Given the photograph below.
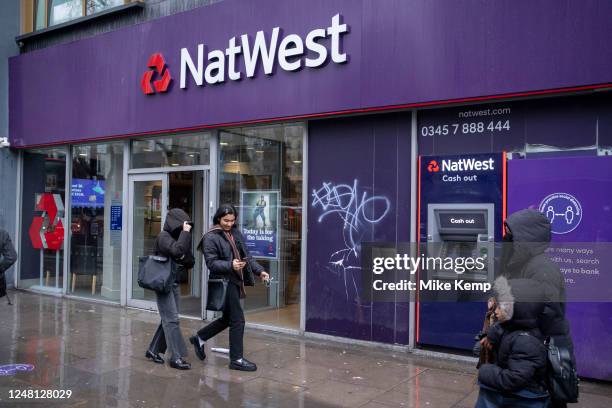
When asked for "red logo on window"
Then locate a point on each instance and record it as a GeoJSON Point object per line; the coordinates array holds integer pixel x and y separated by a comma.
{"type": "Point", "coordinates": [161, 85]}
{"type": "Point", "coordinates": [433, 167]}
{"type": "Point", "coordinates": [47, 229]}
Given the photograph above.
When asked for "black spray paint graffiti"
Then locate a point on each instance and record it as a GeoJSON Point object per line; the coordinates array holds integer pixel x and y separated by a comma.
{"type": "Point", "coordinates": [357, 212]}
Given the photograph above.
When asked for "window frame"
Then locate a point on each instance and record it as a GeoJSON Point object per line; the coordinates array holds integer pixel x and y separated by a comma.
{"type": "Point", "coordinates": [29, 11]}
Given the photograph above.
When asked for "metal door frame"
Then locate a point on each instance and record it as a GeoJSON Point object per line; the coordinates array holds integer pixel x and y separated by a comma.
{"type": "Point", "coordinates": [163, 177]}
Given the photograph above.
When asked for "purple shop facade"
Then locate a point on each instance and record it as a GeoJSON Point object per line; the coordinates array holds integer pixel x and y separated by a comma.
{"type": "Point", "coordinates": [400, 55]}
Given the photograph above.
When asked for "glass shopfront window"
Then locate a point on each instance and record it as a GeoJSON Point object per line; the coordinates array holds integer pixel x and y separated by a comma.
{"type": "Point", "coordinates": [260, 172]}
{"type": "Point", "coordinates": [61, 11]}
{"type": "Point", "coordinates": [42, 221]}
{"type": "Point", "coordinates": [96, 213]}
{"type": "Point", "coordinates": [173, 151]}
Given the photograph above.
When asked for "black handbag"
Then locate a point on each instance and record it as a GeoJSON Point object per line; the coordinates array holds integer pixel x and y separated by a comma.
{"type": "Point", "coordinates": [217, 291]}
{"type": "Point", "coordinates": [155, 273]}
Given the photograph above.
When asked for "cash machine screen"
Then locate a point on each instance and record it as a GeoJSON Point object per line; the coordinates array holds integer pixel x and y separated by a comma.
{"type": "Point", "coordinates": [451, 220]}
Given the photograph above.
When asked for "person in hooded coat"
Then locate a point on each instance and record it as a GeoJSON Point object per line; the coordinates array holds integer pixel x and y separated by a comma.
{"type": "Point", "coordinates": [528, 235]}
{"type": "Point", "coordinates": [517, 377]}
{"type": "Point", "coordinates": [529, 232]}
{"type": "Point", "coordinates": [174, 242]}
{"type": "Point", "coordinates": [8, 256]}
{"type": "Point", "coordinates": [228, 258]}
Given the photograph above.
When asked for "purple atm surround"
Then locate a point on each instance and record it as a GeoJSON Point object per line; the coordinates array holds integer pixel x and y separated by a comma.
{"type": "Point", "coordinates": [531, 184]}
{"type": "Point", "coordinates": [440, 323]}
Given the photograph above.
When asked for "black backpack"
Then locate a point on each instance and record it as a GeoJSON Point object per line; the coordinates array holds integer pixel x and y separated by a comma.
{"type": "Point", "coordinates": [561, 376]}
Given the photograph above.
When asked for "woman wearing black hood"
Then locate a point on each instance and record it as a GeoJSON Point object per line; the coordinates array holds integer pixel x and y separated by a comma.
{"type": "Point", "coordinates": [517, 376]}
{"type": "Point", "coordinates": [527, 236]}
{"type": "Point", "coordinates": [227, 257]}
{"type": "Point", "coordinates": [173, 242]}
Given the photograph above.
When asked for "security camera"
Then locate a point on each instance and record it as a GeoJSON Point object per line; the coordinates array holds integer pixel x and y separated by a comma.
{"type": "Point", "coordinates": [4, 142]}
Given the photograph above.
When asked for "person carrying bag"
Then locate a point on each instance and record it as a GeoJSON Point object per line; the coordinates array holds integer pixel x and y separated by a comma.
{"type": "Point", "coordinates": [231, 269]}
{"type": "Point", "coordinates": [174, 244]}
{"type": "Point", "coordinates": [8, 256]}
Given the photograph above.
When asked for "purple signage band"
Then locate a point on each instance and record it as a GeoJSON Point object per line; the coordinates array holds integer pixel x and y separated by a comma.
{"type": "Point", "coordinates": [240, 61]}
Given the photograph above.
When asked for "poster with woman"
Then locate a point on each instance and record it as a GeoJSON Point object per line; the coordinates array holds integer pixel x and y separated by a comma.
{"type": "Point", "coordinates": [259, 222]}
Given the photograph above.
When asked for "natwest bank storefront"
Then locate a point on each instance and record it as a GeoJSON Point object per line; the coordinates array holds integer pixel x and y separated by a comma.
{"type": "Point", "coordinates": [330, 125]}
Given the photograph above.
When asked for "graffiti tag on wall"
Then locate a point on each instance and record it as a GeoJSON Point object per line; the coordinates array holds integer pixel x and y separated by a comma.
{"type": "Point", "coordinates": [358, 212]}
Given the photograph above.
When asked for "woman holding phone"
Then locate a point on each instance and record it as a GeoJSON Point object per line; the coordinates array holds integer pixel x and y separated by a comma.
{"type": "Point", "coordinates": [226, 257]}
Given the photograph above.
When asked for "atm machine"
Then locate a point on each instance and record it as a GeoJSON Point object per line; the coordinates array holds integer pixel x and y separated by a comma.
{"type": "Point", "coordinates": [461, 212]}
{"type": "Point", "coordinates": [461, 230]}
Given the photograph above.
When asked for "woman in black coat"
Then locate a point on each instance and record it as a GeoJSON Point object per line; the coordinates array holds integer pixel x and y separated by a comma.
{"type": "Point", "coordinates": [517, 377]}
{"type": "Point", "coordinates": [227, 257]}
{"type": "Point", "coordinates": [173, 242]}
{"type": "Point", "coordinates": [8, 256]}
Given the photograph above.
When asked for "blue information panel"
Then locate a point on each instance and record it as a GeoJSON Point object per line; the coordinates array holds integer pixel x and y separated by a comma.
{"type": "Point", "coordinates": [116, 217]}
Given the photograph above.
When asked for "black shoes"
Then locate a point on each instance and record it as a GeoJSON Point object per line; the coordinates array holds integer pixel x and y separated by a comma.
{"type": "Point", "coordinates": [242, 364]}
{"type": "Point", "coordinates": [154, 357]}
{"type": "Point", "coordinates": [199, 350]}
{"type": "Point", "coordinates": [180, 364]}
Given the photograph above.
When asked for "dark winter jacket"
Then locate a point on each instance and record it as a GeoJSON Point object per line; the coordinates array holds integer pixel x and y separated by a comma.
{"type": "Point", "coordinates": [8, 256]}
{"type": "Point", "coordinates": [518, 343]}
{"type": "Point", "coordinates": [175, 243]}
{"type": "Point", "coordinates": [531, 235]}
{"type": "Point", "coordinates": [218, 254]}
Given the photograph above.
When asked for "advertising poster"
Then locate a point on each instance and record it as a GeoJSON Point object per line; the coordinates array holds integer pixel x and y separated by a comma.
{"type": "Point", "coordinates": [87, 193]}
{"type": "Point", "coordinates": [575, 193]}
{"type": "Point", "coordinates": [259, 222]}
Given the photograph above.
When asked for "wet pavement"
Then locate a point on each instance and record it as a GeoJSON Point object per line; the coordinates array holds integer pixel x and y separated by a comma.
{"type": "Point", "coordinates": [97, 352]}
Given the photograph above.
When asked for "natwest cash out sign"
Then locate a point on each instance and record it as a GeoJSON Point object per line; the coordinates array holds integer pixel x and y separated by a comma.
{"type": "Point", "coordinates": [454, 169]}
{"type": "Point", "coordinates": [243, 54]}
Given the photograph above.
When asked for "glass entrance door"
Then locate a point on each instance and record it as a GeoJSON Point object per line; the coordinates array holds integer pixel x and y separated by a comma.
{"type": "Point", "coordinates": [149, 202]}
{"type": "Point", "coordinates": [187, 191]}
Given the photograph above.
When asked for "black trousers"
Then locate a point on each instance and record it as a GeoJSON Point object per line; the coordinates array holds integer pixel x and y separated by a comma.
{"type": "Point", "coordinates": [233, 317]}
{"type": "Point", "coordinates": [168, 334]}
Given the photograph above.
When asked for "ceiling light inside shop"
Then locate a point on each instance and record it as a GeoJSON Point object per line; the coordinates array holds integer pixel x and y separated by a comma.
{"type": "Point", "coordinates": [233, 161]}
{"type": "Point", "coordinates": [174, 164]}
{"type": "Point", "coordinates": [236, 167]}
{"type": "Point", "coordinates": [259, 151]}
{"type": "Point", "coordinates": [223, 143]}
{"type": "Point", "coordinates": [146, 149]}
{"type": "Point", "coordinates": [297, 161]}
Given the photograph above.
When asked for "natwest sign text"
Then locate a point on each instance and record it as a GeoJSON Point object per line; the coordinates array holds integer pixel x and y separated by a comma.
{"type": "Point", "coordinates": [291, 53]}
{"type": "Point", "coordinates": [467, 164]}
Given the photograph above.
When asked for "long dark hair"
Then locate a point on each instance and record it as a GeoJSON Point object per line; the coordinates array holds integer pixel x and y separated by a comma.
{"type": "Point", "coordinates": [222, 211]}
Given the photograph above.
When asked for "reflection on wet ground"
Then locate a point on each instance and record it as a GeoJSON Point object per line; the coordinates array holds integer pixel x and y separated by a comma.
{"type": "Point", "coordinates": [97, 352]}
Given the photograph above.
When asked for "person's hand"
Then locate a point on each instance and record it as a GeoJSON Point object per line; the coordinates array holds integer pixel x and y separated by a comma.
{"type": "Point", "coordinates": [264, 276]}
{"type": "Point", "coordinates": [486, 343]}
{"type": "Point", "coordinates": [186, 226]}
{"type": "Point", "coordinates": [238, 265]}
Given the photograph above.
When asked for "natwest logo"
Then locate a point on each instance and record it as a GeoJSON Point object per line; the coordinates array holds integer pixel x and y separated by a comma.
{"type": "Point", "coordinates": [158, 62]}
{"type": "Point", "coordinates": [246, 53]}
{"type": "Point", "coordinates": [467, 165]}
{"type": "Point", "coordinates": [433, 167]}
